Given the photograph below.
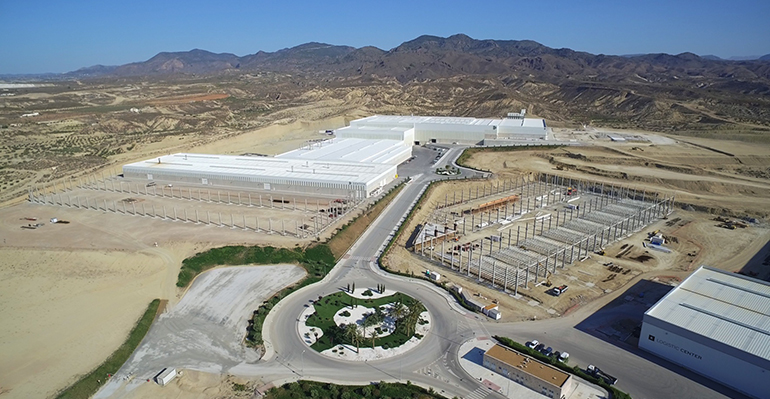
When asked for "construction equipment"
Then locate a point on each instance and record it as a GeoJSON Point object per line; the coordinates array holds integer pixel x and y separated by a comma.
{"type": "Point", "coordinates": [548, 280]}
{"type": "Point", "coordinates": [560, 289]}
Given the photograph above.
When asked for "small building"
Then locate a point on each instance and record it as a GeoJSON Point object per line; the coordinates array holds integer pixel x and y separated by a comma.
{"type": "Point", "coordinates": [714, 323]}
{"type": "Point", "coordinates": [535, 375]}
{"type": "Point", "coordinates": [492, 311]}
{"type": "Point", "coordinates": [165, 376]}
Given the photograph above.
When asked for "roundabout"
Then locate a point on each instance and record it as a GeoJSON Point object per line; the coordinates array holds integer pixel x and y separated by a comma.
{"type": "Point", "coordinates": [364, 324]}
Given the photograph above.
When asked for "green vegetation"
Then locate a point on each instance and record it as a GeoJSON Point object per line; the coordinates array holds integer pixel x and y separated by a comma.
{"type": "Point", "coordinates": [344, 238]}
{"type": "Point", "coordinates": [317, 260]}
{"type": "Point", "coordinates": [406, 311]}
{"type": "Point", "coordinates": [614, 392]}
{"type": "Point", "coordinates": [87, 385]}
{"type": "Point", "coordinates": [400, 230]}
{"type": "Point", "coordinates": [235, 255]}
{"type": "Point", "coordinates": [384, 390]}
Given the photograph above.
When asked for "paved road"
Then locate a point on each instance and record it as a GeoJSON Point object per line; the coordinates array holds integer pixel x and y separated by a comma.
{"type": "Point", "coordinates": [288, 358]}
{"type": "Point", "coordinates": [640, 374]}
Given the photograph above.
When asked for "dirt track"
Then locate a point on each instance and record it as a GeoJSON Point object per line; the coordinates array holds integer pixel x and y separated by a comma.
{"type": "Point", "coordinates": [205, 330]}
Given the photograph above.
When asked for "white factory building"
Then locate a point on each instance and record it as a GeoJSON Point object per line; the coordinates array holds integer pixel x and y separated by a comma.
{"type": "Point", "coordinates": [308, 176]}
{"type": "Point", "coordinates": [420, 130]}
{"type": "Point", "coordinates": [716, 324]}
{"type": "Point", "coordinates": [356, 164]}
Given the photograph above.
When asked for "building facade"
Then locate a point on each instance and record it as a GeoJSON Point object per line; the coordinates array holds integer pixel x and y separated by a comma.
{"type": "Point", "coordinates": [716, 324]}
{"type": "Point", "coordinates": [445, 129]}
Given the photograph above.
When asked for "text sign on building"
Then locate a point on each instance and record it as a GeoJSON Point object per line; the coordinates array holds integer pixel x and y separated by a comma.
{"type": "Point", "coordinates": [674, 347]}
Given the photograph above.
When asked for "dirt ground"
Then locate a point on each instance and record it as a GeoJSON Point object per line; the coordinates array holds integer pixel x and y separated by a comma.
{"type": "Point", "coordinates": [694, 172]}
{"type": "Point", "coordinates": [70, 293]}
{"type": "Point", "coordinates": [205, 330]}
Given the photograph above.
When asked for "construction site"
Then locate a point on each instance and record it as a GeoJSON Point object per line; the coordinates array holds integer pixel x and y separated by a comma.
{"type": "Point", "coordinates": [516, 232]}
{"type": "Point", "coordinates": [288, 214]}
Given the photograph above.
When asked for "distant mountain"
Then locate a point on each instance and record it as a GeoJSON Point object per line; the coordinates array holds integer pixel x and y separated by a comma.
{"type": "Point", "coordinates": [433, 57]}
{"type": "Point", "coordinates": [765, 57]}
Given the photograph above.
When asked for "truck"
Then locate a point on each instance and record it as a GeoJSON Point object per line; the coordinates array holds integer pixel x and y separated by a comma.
{"type": "Point", "coordinates": [560, 289]}
{"type": "Point", "coordinates": [165, 376]}
{"type": "Point", "coordinates": [598, 373]}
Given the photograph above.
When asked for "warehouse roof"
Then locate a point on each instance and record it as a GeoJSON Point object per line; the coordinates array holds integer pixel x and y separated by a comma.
{"type": "Point", "coordinates": [351, 150]}
{"type": "Point", "coordinates": [266, 167]}
{"type": "Point", "coordinates": [725, 307]}
{"type": "Point", "coordinates": [531, 366]}
{"type": "Point", "coordinates": [447, 120]}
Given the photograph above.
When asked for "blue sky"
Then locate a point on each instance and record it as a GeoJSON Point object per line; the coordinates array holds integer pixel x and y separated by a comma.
{"type": "Point", "coordinates": [59, 36]}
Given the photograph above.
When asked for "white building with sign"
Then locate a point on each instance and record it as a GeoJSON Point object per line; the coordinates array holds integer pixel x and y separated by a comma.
{"type": "Point", "coordinates": [717, 324]}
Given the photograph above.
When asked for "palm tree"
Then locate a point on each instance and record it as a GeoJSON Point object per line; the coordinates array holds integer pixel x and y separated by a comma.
{"type": "Point", "coordinates": [415, 308]}
{"type": "Point", "coordinates": [353, 335]}
{"type": "Point", "coordinates": [373, 336]}
{"type": "Point", "coordinates": [397, 310]}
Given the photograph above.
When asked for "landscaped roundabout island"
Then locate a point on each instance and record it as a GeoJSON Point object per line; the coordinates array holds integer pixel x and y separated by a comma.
{"type": "Point", "coordinates": [364, 324]}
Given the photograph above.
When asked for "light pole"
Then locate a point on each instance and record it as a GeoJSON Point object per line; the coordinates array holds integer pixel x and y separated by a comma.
{"type": "Point", "coordinates": [302, 358]}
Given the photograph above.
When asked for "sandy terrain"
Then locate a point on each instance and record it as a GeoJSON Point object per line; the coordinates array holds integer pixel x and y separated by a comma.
{"type": "Point", "coordinates": [695, 174]}
{"type": "Point", "coordinates": [65, 311]}
{"type": "Point", "coordinates": [205, 330]}
{"type": "Point", "coordinates": [91, 279]}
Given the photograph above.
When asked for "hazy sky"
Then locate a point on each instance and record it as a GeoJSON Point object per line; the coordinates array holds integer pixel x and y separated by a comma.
{"type": "Point", "coordinates": [59, 36]}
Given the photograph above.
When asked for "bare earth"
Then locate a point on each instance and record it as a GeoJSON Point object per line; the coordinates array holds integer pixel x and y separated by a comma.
{"type": "Point", "coordinates": [204, 331]}
{"type": "Point", "coordinates": [69, 294]}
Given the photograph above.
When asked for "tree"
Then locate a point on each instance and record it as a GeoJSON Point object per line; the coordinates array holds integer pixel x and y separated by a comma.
{"type": "Point", "coordinates": [353, 335]}
{"type": "Point", "coordinates": [397, 310]}
{"type": "Point", "coordinates": [415, 308]}
{"type": "Point", "coordinates": [373, 336]}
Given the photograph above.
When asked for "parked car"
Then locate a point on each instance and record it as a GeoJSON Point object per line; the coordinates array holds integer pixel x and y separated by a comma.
{"type": "Point", "coordinates": [562, 357]}
{"type": "Point", "coordinates": [540, 347]}
{"type": "Point", "coordinates": [532, 344]}
{"type": "Point", "coordinates": [548, 351]}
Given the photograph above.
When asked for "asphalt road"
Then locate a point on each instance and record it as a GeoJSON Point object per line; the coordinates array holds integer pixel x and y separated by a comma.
{"type": "Point", "coordinates": [287, 358]}
{"type": "Point", "coordinates": [641, 375]}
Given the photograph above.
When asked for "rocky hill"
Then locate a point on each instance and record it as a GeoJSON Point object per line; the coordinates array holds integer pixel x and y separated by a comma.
{"type": "Point", "coordinates": [660, 91]}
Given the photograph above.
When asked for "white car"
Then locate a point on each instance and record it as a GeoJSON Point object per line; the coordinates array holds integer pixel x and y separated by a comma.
{"type": "Point", "coordinates": [563, 356]}
{"type": "Point", "coordinates": [532, 344]}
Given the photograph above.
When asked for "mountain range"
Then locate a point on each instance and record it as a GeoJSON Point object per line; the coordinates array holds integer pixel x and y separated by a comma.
{"type": "Point", "coordinates": [432, 57]}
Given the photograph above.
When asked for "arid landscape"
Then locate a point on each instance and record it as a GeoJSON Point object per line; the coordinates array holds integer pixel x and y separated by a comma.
{"type": "Point", "coordinates": [70, 293]}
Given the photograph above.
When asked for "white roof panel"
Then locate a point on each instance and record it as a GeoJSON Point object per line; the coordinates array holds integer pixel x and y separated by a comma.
{"type": "Point", "coordinates": [319, 170]}
{"type": "Point", "coordinates": [350, 150]}
{"type": "Point", "coordinates": [402, 120]}
{"type": "Point", "coordinates": [722, 306]}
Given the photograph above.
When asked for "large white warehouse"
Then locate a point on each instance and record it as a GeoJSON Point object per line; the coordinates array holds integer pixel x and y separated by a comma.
{"type": "Point", "coordinates": [445, 129]}
{"type": "Point", "coordinates": [716, 324]}
{"type": "Point", "coordinates": [310, 176]}
{"type": "Point", "coordinates": [391, 152]}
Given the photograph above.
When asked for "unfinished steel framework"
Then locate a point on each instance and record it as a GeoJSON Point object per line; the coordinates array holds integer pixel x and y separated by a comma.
{"type": "Point", "coordinates": [513, 257]}
{"type": "Point", "coordinates": [92, 193]}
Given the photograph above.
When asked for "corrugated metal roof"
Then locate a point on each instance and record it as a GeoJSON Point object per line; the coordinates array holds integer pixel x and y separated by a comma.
{"type": "Point", "coordinates": [405, 120]}
{"type": "Point", "coordinates": [351, 150]}
{"type": "Point", "coordinates": [722, 306]}
{"type": "Point", "coordinates": [288, 168]}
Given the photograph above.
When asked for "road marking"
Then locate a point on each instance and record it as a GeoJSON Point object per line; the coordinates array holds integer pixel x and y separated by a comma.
{"type": "Point", "coordinates": [479, 393]}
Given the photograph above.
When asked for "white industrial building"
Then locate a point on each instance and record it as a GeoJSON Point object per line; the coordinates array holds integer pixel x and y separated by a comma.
{"type": "Point", "coordinates": [445, 129]}
{"type": "Point", "coordinates": [356, 164]}
{"type": "Point", "coordinates": [716, 324]}
{"type": "Point", "coordinates": [391, 152]}
{"type": "Point", "coordinates": [311, 176]}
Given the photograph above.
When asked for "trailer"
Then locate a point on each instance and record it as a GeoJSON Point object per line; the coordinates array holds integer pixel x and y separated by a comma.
{"type": "Point", "coordinates": [598, 373]}
{"type": "Point", "coordinates": [165, 376]}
